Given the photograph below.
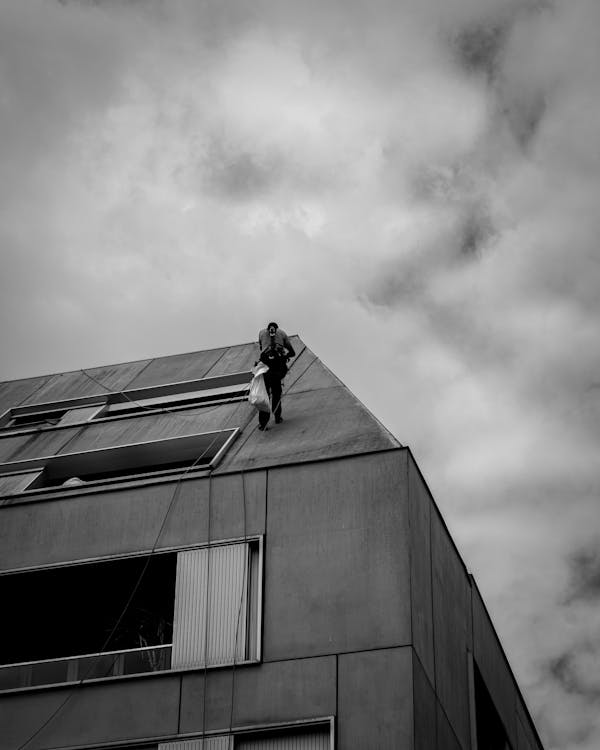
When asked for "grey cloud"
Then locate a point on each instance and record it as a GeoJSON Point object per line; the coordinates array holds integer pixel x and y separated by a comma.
{"type": "Point", "coordinates": [479, 46]}
{"type": "Point", "coordinates": [524, 112]}
{"type": "Point", "coordinates": [476, 231]}
{"type": "Point", "coordinates": [584, 569]}
{"type": "Point", "coordinates": [238, 174]}
{"type": "Point", "coordinates": [567, 672]}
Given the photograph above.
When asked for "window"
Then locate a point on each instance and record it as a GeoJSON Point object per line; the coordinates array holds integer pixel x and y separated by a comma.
{"type": "Point", "coordinates": [178, 396]}
{"type": "Point", "coordinates": [172, 396]}
{"type": "Point", "coordinates": [154, 458]}
{"type": "Point", "coordinates": [311, 736]}
{"type": "Point", "coordinates": [164, 626]}
{"type": "Point", "coordinates": [35, 418]}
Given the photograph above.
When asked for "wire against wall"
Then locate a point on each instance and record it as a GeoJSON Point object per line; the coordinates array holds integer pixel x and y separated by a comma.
{"type": "Point", "coordinates": [136, 586]}
{"type": "Point", "coordinates": [138, 582]}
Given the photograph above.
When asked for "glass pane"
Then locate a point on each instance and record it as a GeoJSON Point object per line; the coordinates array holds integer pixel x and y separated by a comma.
{"type": "Point", "coordinates": [93, 667]}
{"type": "Point", "coordinates": [15, 677]}
{"type": "Point", "coordinates": [47, 672]}
{"type": "Point", "coordinates": [148, 660]}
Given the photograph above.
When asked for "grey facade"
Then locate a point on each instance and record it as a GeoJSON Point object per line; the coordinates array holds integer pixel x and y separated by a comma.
{"type": "Point", "coordinates": [351, 621]}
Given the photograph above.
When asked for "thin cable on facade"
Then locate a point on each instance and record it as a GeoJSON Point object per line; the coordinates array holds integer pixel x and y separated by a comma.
{"type": "Point", "coordinates": [207, 609]}
{"type": "Point", "coordinates": [76, 687]}
{"type": "Point", "coordinates": [164, 409]}
{"type": "Point", "coordinates": [136, 586]}
{"type": "Point", "coordinates": [239, 613]}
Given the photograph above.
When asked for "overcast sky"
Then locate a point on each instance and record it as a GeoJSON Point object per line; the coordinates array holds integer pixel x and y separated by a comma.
{"type": "Point", "coordinates": [413, 186]}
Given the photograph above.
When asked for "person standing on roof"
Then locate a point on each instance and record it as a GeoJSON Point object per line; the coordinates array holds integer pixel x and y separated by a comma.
{"type": "Point", "coordinates": [275, 351]}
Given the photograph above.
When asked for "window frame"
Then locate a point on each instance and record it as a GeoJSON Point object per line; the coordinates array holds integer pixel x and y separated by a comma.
{"type": "Point", "coordinates": [98, 455]}
{"type": "Point", "coordinates": [104, 401]}
{"type": "Point", "coordinates": [252, 540]}
{"type": "Point", "coordinates": [248, 731]}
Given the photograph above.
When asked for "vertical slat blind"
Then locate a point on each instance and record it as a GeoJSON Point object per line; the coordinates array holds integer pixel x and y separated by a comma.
{"type": "Point", "coordinates": [314, 740]}
{"type": "Point", "coordinates": [224, 597]}
{"type": "Point", "coordinates": [317, 739]}
{"type": "Point", "coordinates": [209, 743]}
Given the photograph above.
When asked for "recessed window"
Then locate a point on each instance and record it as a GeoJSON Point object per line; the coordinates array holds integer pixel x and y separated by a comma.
{"type": "Point", "coordinates": [309, 737]}
{"type": "Point", "coordinates": [154, 458]}
{"type": "Point", "coordinates": [193, 608]}
{"type": "Point", "coordinates": [133, 402]}
{"type": "Point", "coordinates": [174, 401]}
{"type": "Point", "coordinates": [36, 418]}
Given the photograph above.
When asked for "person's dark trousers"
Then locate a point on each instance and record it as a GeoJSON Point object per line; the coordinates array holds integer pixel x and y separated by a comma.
{"type": "Point", "coordinates": [273, 385]}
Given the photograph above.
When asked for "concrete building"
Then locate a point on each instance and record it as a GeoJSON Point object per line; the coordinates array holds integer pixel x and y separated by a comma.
{"type": "Point", "coordinates": [169, 572]}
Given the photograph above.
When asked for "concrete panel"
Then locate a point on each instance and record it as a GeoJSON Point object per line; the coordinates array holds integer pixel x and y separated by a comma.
{"type": "Point", "coordinates": [160, 426]}
{"type": "Point", "coordinates": [327, 423]}
{"type": "Point", "coordinates": [313, 377]}
{"type": "Point", "coordinates": [36, 444]}
{"type": "Point", "coordinates": [178, 367]}
{"type": "Point", "coordinates": [98, 381]}
{"type": "Point", "coordinates": [276, 692]}
{"type": "Point", "coordinates": [446, 739]}
{"type": "Point", "coordinates": [527, 737]}
{"type": "Point", "coordinates": [494, 669]}
{"type": "Point", "coordinates": [236, 359]}
{"type": "Point", "coordinates": [15, 392]}
{"type": "Point", "coordinates": [95, 713]}
{"type": "Point", "coordinates": [375, 700]}
{"type": "Point", "coordinates": [424, 708]}
{"type": "Point", "coordinates": [337, 569]}
{"type": "Point", "coordinates": [129, 520]}
{"type": "Point", "coordinates": [419, 510]}
{"type": "Point", "coordinates": [15, 483]}
{"type": "Point", "coordinates": [11, 446]}
{"type": "Point", "coordinates": [451, 629]}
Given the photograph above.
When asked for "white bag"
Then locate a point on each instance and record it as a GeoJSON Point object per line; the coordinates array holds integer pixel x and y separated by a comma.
{"type": "Point", "coordinates": [258, 395]}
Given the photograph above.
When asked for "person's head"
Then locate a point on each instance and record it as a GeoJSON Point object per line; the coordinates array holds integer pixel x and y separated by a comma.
{"type": "Point", "coordinates": [272, 328]}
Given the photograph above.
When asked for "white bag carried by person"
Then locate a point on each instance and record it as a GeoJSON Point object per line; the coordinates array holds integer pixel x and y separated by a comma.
{"type": "Point", "coordinates": [258, 395]}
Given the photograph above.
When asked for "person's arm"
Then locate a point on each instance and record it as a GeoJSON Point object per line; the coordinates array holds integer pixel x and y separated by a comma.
{"type": "Point", "coordinates": [288, 346]}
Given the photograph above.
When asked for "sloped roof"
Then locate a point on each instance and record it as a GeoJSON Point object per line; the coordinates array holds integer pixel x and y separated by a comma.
{"type": "Point", "coordinates": [322, 418]}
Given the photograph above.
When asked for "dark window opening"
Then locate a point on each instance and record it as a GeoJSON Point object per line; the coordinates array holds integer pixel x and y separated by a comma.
{"type": "Point", "coordinates": [50, 480]}
{"type": "Point", "coordinates": [131, 616]}
{"type": "Point", "coordinates": [154, 457]}
{"type": "Point", "coordinates": [71, 611]}
{"type": "Point", "coordinates": [37, 418]}
{"type": "Point", "coordinates": [491, 734]}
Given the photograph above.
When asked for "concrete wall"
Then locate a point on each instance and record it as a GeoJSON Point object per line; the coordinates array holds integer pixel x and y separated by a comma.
{"type": "Point", "coordinates": [449, 619]}
{"type": "Point", "coordinates": [441, 612]}
{"type": "Point", "coordinates": [337, 571]}
{"type": "Point", "coordinates": [129, 520]}
{"type": "Point", "coordinates": [336, 603]}
{"type": "Point", "coordinates": [366, 610]}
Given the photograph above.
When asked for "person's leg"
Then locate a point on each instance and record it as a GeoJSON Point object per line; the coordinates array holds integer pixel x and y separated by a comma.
{"type": "Point", "coordinates": [276, 397]}
{"type": "Point", "coordinates": [264, 416]}
{"type": "Point", "coordinates": [263, 419]}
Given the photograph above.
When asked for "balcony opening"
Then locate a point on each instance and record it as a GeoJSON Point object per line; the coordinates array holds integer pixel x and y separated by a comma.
{"type": "Point", "coordinates": [153, 458]}
{"type": "Point", "coordinates": [36, 419]}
